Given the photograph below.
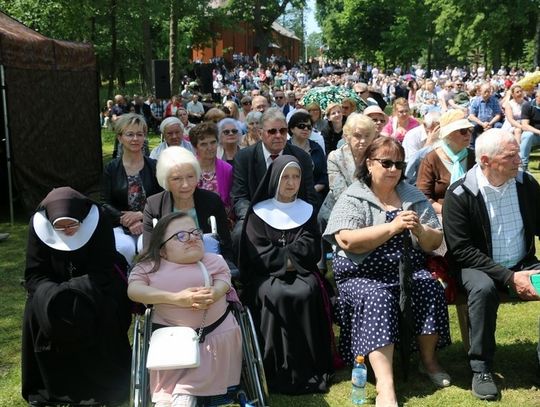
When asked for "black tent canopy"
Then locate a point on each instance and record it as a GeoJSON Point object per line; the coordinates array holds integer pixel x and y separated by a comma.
{"type": "Point", "coordinates": [49, 115]}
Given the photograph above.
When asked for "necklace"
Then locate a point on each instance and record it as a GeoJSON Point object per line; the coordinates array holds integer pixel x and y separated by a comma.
{"type": "Point", "coordinates": [208, 176]}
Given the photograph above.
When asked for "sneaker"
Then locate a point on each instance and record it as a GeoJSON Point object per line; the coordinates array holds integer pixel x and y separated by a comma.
{"type": "Point", "coordinates": [483, 386]}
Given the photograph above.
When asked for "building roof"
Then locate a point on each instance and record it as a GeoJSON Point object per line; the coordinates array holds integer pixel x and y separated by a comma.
{"type": "Point", "coordinates": [275, 25]}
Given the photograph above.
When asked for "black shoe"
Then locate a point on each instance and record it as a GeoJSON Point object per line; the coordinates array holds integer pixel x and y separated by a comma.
{"type": "Point", "coordinates": [483, 386]}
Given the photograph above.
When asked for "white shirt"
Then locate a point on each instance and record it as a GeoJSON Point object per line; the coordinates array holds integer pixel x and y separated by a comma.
{"type": "Point", "coordinates": [414, 140]}
{"type": "Point", "coordinates": [267, 154]}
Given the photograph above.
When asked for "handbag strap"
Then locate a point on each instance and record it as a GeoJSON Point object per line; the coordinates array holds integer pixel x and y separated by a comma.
{"type": "Point", "coordinates": [206, 276]}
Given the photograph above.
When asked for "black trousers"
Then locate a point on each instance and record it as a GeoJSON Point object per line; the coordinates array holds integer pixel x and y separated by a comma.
{"type": "Point", "coordinates": [483, 302]}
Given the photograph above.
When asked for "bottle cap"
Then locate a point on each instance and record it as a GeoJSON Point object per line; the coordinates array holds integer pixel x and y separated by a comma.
{"type": "Point", "coordinates": [359, 359]}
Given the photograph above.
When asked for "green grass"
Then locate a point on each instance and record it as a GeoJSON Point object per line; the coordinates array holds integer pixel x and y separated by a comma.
{"type": "Point", "coordinates": [515, 369]}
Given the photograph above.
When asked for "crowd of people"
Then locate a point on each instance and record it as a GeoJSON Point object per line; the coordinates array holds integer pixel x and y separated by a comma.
{"type": "Point", "coordinates": [288, 183]}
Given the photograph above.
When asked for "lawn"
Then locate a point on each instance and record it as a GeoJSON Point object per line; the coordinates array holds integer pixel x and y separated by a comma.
{"type": "Point", "coordinates": [516, 368]}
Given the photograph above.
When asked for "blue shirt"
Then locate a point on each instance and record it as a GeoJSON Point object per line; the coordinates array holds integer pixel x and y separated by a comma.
{"type": "Point", "coordinates": [485, 111]}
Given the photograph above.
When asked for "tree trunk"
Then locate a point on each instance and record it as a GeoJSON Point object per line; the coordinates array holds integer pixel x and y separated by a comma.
{"type": "Point", "coordinates": [537, 43]}
{"type": "Point", "coordinates": [147, 47]}
{"type": "Point", "coordinates": [173, 54]}
{"type": "Point", "coordinates": [112, 65]}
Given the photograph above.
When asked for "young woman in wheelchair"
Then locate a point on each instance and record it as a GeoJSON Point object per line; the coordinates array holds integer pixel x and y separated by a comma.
{"type": "Point", "coordinates": [168, 276]}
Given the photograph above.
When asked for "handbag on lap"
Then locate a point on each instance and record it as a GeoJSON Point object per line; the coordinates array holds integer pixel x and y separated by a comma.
{"type": "Point", "coordinates": [176, 347]}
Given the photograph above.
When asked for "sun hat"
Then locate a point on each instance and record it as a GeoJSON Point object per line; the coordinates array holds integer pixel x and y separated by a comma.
{"type": "Point", "coordinates": [453, 120]}
{"type": "Point", "coordinates": [373, 109]}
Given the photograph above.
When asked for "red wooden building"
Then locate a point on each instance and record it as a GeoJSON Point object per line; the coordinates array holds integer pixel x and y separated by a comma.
{"type": "Point", "coordinates": [240, 39]}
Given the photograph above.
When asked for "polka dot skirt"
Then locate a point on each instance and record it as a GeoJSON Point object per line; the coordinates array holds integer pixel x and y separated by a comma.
{"type": "Point", "coordinates": [367, 307]}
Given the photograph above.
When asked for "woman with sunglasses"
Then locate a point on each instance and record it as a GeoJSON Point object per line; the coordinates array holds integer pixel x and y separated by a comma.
{"type": "Point", "coordinates": [368, 226]}
{"type": "Point", "coordinates": [127, 182]}
{"type": "Point", "coordinates": [178, 172]}
{"type": "Point", "coordinates": [299, 131]}
{"type": "Point", "coordinates": [169, 275]}
{"type": "Point", "coordinates": [450, 159]}
{"type": "Point", "coordinates": [75, 345]}
{"type": "Point", "coordinates": [230, 136]}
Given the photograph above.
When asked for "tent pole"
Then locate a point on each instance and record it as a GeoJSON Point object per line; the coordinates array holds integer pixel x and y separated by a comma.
{"type": "Point", "coordinates": [8, 148]}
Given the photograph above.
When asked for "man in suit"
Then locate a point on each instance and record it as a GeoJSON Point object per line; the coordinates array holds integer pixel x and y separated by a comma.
{"type": "Point", "coordinates": [250, 165]}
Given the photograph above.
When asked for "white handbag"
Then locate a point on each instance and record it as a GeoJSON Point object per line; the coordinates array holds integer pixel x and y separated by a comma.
{"type": "Point", "coordinates": [176, 347]}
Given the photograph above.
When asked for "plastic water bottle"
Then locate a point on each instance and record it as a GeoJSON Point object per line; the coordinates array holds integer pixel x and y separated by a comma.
{"type": "Point", "coordinates": [358, 379]}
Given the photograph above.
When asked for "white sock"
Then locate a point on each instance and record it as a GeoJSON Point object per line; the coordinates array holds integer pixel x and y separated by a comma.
{"type": "Point", "coordinates": [183, 400]}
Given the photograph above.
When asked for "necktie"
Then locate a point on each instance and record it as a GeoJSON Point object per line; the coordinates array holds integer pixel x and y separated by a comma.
{"type": "Point", "coordinates": [274, 156]}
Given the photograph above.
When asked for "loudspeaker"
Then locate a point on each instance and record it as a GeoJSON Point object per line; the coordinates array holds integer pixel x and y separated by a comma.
{"type": "Point", "coordinates": [204, 73]}
{"type": "Point", "coordinates": [162, 82]}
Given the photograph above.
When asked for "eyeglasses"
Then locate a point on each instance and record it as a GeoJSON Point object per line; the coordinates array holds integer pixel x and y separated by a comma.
{"type": "Point", "coordinates": [228, 131]}
{"type": "Point", "coordinates": [279, 97]}
{"type": "Point", "coordinates": [246, 103]}
{"type": "Point", "coordinates": [132, 135]}
{"type": "Point", "coordinates": [400, 165]}
{"type": "Point", "coordinates": [464, 132]}
{"type": "Point", "coordinates": [303, 126]}
{"type": "Point", "coordinates": [68, 227]}
{"type": "Point", "coordinates": [185, 235]}
{"type": "Point", "coordinates": [283, 131]}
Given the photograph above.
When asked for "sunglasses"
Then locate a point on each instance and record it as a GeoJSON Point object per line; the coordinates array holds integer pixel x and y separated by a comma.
{"type": "Point", "coordinates": [185, 235]}
{"type": "Point", "coordinates": [303, 126]}
{"type": "Point", "coordinates": [227, 132]}
{"type": "Point", "coordinates": [464, 132]}
{"type": "Point", "coordinates": [283, 131]}
{"type": "Point", "coordinates": [279, 97]}
{"type": "Point", "coordinates": [400, 165]}
{"type": "Point", "coordinates": [246, 103]}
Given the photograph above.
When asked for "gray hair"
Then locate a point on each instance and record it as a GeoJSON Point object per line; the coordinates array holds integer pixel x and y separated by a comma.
{"type": "Point", "coordinates": [171, 158]}
{"type": "Point", "coordinates": [430, 118]}
{"type": "Point", "coordinates": [491, 142]}
{"type": "Point", "coordinates": [274, 113]}
{"type": "Point", "coordinates": [227, 122]}
{"type": "Point", "coordinates": [129, 119]}
{"type": "Point", "coordinates": [254, 116]}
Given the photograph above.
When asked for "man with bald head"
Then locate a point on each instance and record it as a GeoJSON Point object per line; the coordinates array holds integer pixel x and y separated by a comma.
{"type": "Point", "coordinates": [260, 104]}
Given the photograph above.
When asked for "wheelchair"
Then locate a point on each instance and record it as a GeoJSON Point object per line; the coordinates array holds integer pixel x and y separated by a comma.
{"type": "Point", "coordinates": [252, 391]}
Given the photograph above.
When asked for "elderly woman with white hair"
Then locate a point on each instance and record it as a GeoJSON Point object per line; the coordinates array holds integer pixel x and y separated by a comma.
{"type": "Point", "coordinates": [449, 160]}
{"type": "Point", "coordinates": [230, 136]}
{"type": "Point", "coordinates": [178, 172]}
{"type": "Point", "coordinates": [127, 181]}
{"type": "Point", "coordinates": [172, 134]}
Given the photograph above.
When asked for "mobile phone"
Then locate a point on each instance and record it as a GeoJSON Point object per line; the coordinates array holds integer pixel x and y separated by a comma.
{"type": "Point", "coordinates": [535, 281]}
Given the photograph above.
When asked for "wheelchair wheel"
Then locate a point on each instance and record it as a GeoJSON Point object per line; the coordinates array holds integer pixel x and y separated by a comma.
{"type": "Point", "coordinates": [139, 395]}
{"type": "Point", "coordinates": [252, 366]}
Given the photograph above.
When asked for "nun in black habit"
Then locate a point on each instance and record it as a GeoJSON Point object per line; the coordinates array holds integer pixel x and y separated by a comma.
{"type": "Point", "coordinates": [280, 247]}
{"type": "Point", "coordinates": [75, 347]}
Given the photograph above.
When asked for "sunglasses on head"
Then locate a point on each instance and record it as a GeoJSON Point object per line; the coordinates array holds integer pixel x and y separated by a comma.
{"type": "Point", "coordinates": [400, 165]}
{"type": "Point", "coordinates": [227, 132]}
{"type": "Point", "coordinates": [303, 126]}
{"type": "Point", "coordinates": [283, 131]}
